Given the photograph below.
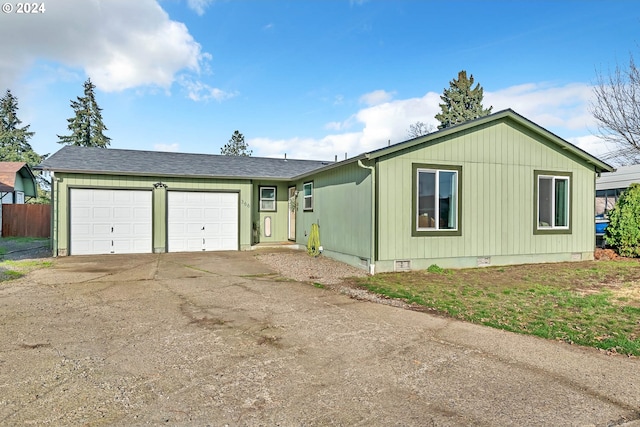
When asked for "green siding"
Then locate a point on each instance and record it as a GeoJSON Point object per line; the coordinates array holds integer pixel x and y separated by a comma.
{"type": "Point", "coordinates": [497, 188]}
{"type": "Point", "coordinates": [18, 184]}
{"type": "Point", "coordinates": [279, 217]}
{"type": "Point", "coordinates": [342, 207]}
{"type": "Point", "coordinates": [64, 182]}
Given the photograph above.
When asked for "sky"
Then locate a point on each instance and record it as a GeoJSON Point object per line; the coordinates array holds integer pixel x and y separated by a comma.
{"type": "Point", "coordinates": [309, 79]}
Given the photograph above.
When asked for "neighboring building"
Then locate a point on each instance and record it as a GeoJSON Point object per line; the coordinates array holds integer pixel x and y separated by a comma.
{"type": "Point", "coordinates": [17, 184]}
{"type": "Point", "coordinates": [609, 187]}
{"type": "Point", "coordinates": [496, 190]}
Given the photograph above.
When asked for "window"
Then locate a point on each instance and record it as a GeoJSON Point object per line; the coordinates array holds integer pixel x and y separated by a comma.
{"type": "Point", "coordinates": [553, 201]}
{"type": "Point", "coordinates": [267, 198]}
{"type": "Point", "coordinates": [307, 192]}
{"type": "Point", "coordinates": [436, 209]}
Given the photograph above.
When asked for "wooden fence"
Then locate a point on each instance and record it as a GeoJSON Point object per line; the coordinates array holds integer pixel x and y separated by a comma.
{"type": "Point", "coordinates": [26, 220]}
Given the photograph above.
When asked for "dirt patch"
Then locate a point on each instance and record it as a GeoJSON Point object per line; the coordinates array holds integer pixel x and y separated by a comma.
{"type": "Point", "coordinates": [298, 265]}
{"type": "Point", "coordinates": [153, 344]}
{"type": "Point", "coordinates": [605, 254]}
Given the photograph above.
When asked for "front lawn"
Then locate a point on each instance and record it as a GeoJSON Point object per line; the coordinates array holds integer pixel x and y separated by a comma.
{"type": "Point", "coordinates": [593, 303]}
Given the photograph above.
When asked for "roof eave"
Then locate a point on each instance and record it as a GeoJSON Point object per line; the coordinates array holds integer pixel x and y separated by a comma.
{"type": "Point", "coordinates": [172, 175]}
{"type": "Point", "coordinates": [330, 166]}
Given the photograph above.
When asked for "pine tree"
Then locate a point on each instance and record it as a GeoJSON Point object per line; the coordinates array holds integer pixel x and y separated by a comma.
{"type": "Point", "coordinates": [14, 144]}
{"type": "Point", "coordinates": [87, 128]}
{"type": "Point", "coordinates": [14, 140]}
{"type": "Point", "coordinates": [236, 146]}
{"type": "Point", "coordinates": [461, 102]}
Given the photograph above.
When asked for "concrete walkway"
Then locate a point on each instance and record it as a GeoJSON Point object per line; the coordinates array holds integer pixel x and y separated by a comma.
{"type": "Point", "coordinates": [218, 339]}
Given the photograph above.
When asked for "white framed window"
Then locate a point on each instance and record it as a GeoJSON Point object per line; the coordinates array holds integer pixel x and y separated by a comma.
{"type": "Point", "coordinates": [307, 193]}
{"type": "Point", "coordinates": [268, 199]}
{"type": "Point", "coordinates": [436, 200]}
{"type": "Point", "coordinates": [553, 201]}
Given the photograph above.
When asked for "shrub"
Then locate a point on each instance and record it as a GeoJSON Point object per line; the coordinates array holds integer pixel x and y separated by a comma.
{"type": "Point", "coordinates": [435, 268]}
{"type": "Point", "coordinates": [623, 231]}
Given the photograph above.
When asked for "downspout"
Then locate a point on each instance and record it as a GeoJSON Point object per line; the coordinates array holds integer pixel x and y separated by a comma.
{"type": "Point", "coordinates": [55, 205]}
{"type": "Point", "coordinates": [372, 249]}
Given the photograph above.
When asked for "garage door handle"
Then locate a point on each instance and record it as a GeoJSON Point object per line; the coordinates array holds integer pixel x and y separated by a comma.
{"type": "Point", "coordinates": [112, 229]}
{"type": "Point", "coordinates": [202, 228]}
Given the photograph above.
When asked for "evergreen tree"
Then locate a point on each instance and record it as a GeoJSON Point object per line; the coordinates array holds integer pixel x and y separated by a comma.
{"type": "Point", "coordinates": [14, 139]}
{"type": "Point", "coordinates": [14, 144]}
{"type": "Point", "coordinates": [623, 231]}
{"type": "Point", "coordinates": [236, 146]}
{"type": "Point", "coordinates": [461, 102]}
{"type": "Point", "coordinates": [87, 129]}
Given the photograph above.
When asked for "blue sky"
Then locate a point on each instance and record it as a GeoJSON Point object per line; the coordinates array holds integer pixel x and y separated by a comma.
{"type": "Point", "coordinates": [313, 79]}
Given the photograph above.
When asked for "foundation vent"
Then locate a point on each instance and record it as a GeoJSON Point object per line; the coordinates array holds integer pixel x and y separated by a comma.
{"type": "Point", "coordinates": [576, 256]}
{"type": "Point", "coordinates": [403, 265]}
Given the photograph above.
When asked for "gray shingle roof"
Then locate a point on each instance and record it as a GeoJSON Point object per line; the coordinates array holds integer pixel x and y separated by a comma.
{"type": "Point", "coordinates": [133, 162]}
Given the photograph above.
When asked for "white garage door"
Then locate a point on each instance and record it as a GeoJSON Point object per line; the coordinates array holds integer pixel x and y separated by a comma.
{"type": "Point", "coordinates": [202, 221]}
{"type": "Point", "coordinates": [110, 221]}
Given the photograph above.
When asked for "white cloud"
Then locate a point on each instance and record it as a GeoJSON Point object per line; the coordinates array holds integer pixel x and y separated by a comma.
{"type": "Point", "coordinates": [381, 124]}
{"type": "Point", "coordinates": [334, 126]}
{"type": "Point", "coordinates": [120, 44]}
{"type": "Point", "coordinates": [561, 109]}
{"type": "Point", "coordinates": [175, 147]}
{"type": "Point", "coordinates": [199, 6]}
{"type": "Point", "coordinates": [376, 97]}
{"type": "Point", "coordinates": [547, 105]}
{"type": "Point", "coordinates": [592, 144]}
{"type": "Point", "coordinates": [326, 148]}
{"type": "Point", "coordinates": [198, 91]}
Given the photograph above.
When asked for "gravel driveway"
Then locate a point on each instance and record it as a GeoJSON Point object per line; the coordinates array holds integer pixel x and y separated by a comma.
{"type": "Point", "coordinates": [220, 339]}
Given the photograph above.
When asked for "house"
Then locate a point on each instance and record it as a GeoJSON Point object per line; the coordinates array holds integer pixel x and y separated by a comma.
{"type": "Point", "coordinates": [17, 184]}
{"type": "Point", "coordinates": [492, 191]}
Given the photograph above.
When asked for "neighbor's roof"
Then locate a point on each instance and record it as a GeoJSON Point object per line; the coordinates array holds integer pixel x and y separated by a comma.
{"type": "Point", "coordinates": [623, 177]}
{"type": "Point", "coordinates": [133, 162]}
{"type": "Point", "coordinates": [8, 171]}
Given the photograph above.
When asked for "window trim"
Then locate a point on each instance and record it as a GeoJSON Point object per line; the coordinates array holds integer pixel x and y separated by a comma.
{"type": "Point", "coordinates": [274, 199]}
{"type": "Point", "coordinates": [415, 232]}
{"type": "Point", "coordinates": [537, 174]}
{"type": "Point", "coordinates": [305, 197]}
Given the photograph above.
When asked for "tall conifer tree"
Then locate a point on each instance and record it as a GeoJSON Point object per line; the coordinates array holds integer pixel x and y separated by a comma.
{"type": "Point", "coordinates": [461, 102]}
{"type": "Point", "coordinates": [14, 139]}
{"type": "Point", "coordinates": [87, 128]}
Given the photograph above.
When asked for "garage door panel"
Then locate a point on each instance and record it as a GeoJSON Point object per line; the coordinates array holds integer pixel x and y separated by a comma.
{"type": "Point", "coordinates": [229, 214]}
{"type": "Point", "coordinates": [110, 221]}
{"type": "Point", "coordinates": [99, 213]}
{"type": "Point", "coordinates": [197, 221]}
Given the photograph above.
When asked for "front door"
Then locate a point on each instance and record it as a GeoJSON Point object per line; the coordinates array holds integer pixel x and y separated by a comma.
{"type": "Point", "coordinates": [292, 205]}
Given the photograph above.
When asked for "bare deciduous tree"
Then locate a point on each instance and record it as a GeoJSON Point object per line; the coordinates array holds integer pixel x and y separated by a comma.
{"type": "Point", "coordinates": [419, 129]}
{"type": "Point", "coordinates": [616, 108]}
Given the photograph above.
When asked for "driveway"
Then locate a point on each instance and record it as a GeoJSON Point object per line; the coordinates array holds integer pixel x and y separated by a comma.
{"type": "Point", "coordinates": [219, 339]}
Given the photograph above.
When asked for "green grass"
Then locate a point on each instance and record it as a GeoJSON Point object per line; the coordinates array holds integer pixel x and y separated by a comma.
{"type": "Point", "coordinates": [594, 304]}
{"type": "Point", "coordinates": [10, 270]}
{"type": "Point", "coordinates": [24, 239]}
